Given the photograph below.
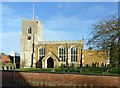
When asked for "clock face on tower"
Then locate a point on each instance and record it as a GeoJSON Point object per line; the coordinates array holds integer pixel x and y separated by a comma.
{"type": "Point", "coordinates": [29, 37]}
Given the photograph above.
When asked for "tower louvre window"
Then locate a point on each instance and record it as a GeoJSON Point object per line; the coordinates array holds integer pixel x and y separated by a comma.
{"type": "Point", "coordinates": [29, 30]}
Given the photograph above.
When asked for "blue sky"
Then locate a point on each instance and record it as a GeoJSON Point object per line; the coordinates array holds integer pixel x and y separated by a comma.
{"type": "Point", "coordinates": [62, 21]}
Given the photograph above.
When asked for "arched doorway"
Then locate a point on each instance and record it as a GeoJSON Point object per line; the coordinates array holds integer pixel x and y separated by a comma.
{"type": "Point", "coordinates": [50, 63]}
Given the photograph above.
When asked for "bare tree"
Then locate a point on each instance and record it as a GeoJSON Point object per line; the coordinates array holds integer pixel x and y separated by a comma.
{"type": "Point", "coordinates": [105, 36]}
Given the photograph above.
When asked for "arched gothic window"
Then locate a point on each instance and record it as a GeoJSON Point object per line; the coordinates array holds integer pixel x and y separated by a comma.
{"type": "Point", "coordinates": [74, 54]}
{"type": "Point", "coordinates": [29, 30]}
{"type": "Point", "coordinates": [62, 54]}
{"type": "Point", "coordinates": [41, 53]}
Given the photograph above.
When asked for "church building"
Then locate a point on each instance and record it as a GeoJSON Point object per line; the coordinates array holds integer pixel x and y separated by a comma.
{"type": "Point", "coordinates": [35, 52]}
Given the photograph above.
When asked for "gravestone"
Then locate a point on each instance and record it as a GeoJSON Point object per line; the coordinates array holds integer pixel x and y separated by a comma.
{"type": "Point", "coordinates": [62, 67]}
{"type": "Point", "coordinates": [53, 70]}
{"type": "Point", "coordinates": [73, 67]}
{"type": "Point", "coordinates": [87, 65]}
{"type": "Point", "coordinates": [102, 64]}
{"type": "Point", "coordinates": [97, 64]}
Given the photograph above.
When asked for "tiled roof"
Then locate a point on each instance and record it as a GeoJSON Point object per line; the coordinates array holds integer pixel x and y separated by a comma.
{"type": "Point", "coordinates": [5, 59]}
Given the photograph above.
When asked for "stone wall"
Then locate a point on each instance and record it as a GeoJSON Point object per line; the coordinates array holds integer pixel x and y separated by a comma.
{"type": "Point", "coordinates": [49, 79]}
{"type": "Point", "coordinates": [95, 57]}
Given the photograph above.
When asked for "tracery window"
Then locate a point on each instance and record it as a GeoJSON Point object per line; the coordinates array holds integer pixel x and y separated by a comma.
{"type": "Point", "coordinates": [41, 53]}
{"type": "Point", "coordinates": [62, 54]}
{"type": "Point", "coordinates": [74, 54]}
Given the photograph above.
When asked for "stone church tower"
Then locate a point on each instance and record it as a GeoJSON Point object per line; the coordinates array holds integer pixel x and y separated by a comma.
{"type": "Point", "coordinates": [31, 34]}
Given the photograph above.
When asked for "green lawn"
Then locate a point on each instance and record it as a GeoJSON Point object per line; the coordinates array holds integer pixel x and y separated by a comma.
{"type": "Point", "coordinates": [85, 70]}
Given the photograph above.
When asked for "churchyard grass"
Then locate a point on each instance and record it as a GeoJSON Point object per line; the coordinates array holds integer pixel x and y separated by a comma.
{"type": "Point", "coordinates": [85, 70]}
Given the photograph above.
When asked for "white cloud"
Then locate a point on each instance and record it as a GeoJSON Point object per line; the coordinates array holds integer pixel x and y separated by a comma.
{"type": "Point", "coordinates": [65, 28]}
{"type": "Point", "coordinates": [10, 21]}
{"type": "Point", "coordinates": [64, 5]}
{"type": "Point", "coordinates": [7, 10]}
{"type": "Point", "coordinates": [100, 11]}
{"type": "Point", "coordinates": [51, 35]}
{"type": "Point", "coordinates": [10, 35]}
{"type": "Point", "coordinates": [99, 8]}
{"type": "Point", "coordinates": [66, 23]}
{"type": "Point", "coordinates": [10, 42]}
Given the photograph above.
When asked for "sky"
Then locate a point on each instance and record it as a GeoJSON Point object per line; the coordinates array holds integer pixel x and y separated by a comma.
{"type": "Point", "coordinates": [62, 20]}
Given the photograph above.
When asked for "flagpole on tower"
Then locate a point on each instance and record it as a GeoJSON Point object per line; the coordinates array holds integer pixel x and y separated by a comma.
{"type": "Point", "coordinates": [33, 11]}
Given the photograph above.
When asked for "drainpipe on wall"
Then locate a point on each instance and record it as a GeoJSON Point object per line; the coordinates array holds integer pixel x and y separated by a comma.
{"type": "Point", "coordinates": [81, 62]}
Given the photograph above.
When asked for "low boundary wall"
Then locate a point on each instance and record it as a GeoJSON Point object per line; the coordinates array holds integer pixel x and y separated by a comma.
{"type": "Point", "coordinates": [49, 79]}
